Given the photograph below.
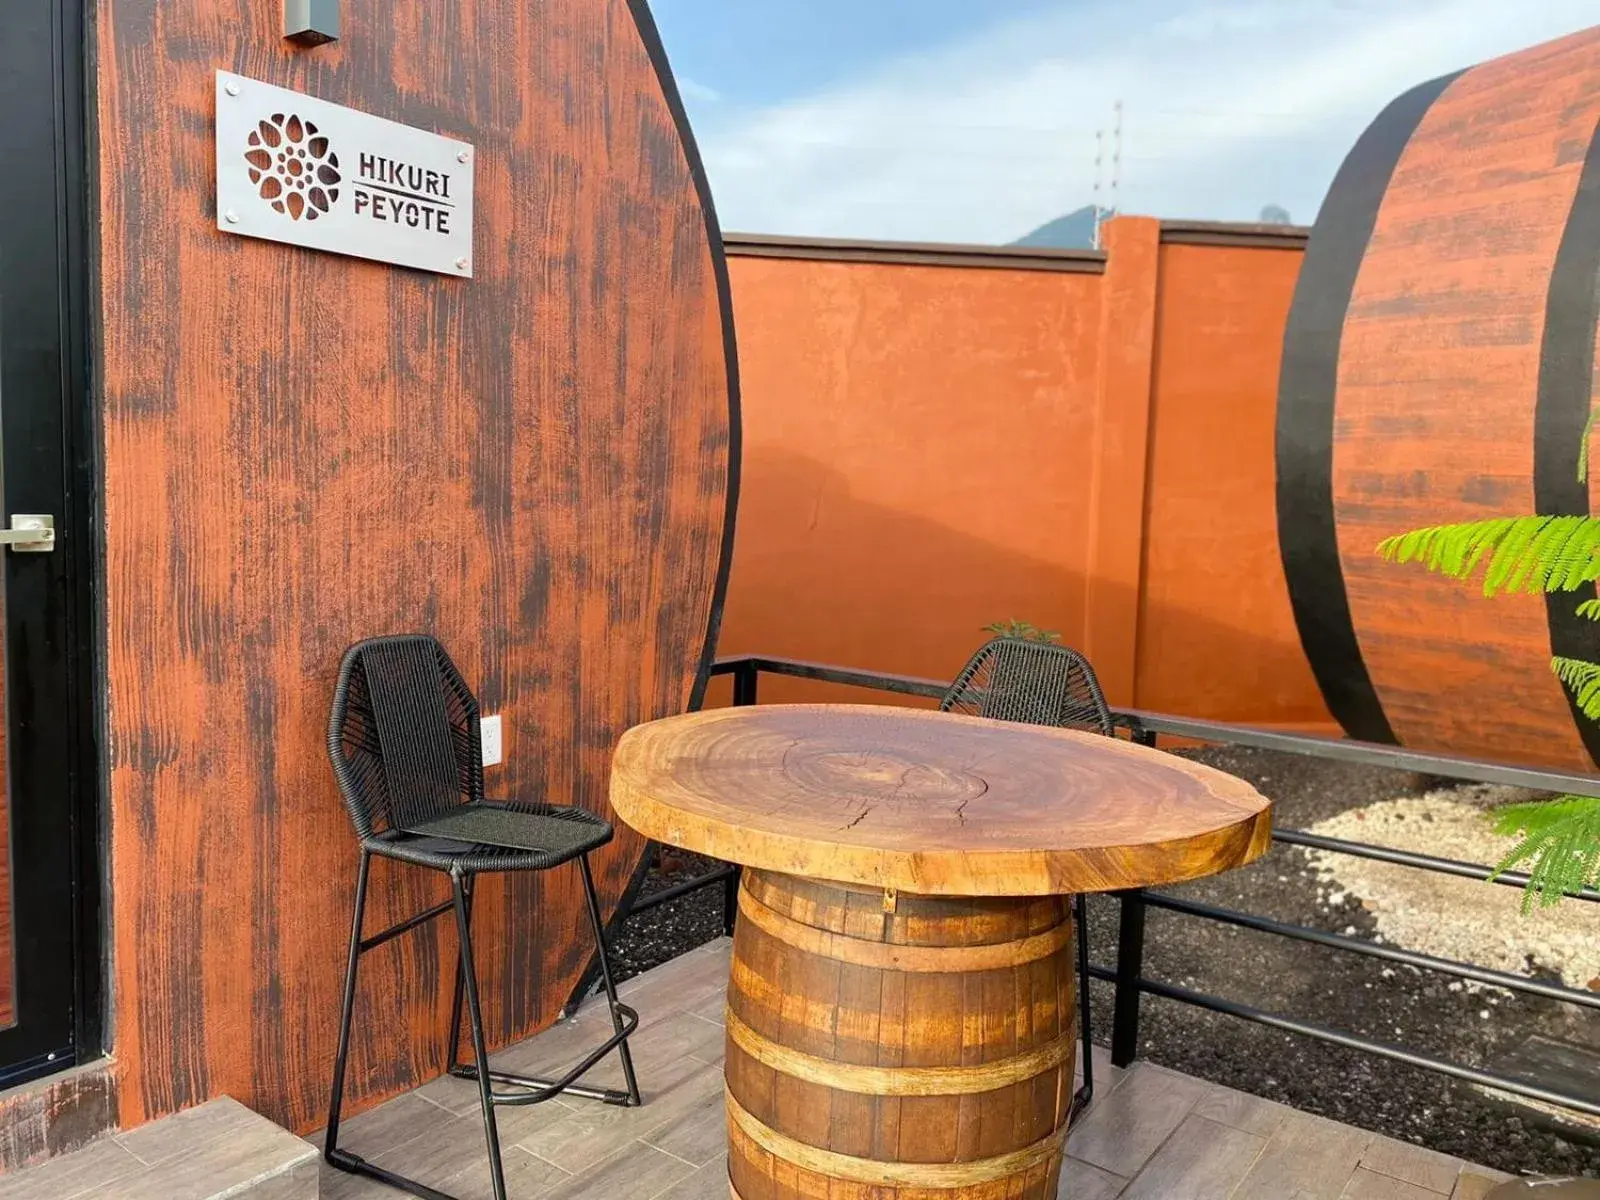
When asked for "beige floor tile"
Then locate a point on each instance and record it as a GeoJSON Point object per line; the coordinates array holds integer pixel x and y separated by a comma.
{"type": "Point", "coordinates": [1202, 1160]}
{"type": "Point", "coordinates": [1308, 1157]}
{"type": "Point", "coordinates": [699, 1135]}
{"type": "Point", "coordinates": [710, 1182]}
{"type": "Point", "coordinates": [1125, 1127]}
{"type": "Point", "coordinates": [1242, 1110]}
{"type": "Point", "coordinates": [97, 1166]}
{"type": "Point", "coordinates": [1082, 1181]}
{"type": "Point", "coordinates": [587, 1135]}
{"type": "Point", "coordinates": [1413, 1164]}
{"type": "Point", "coordinates": [636, 1172]}
{"type": "Point", "coordinates": [1369, 1185]}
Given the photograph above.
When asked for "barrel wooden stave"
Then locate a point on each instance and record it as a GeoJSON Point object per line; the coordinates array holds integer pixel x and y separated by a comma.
{"type": "Point", "coordinates": [942, 1030]}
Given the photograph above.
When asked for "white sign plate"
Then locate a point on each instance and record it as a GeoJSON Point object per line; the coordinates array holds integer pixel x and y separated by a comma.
{"type": "Point", "coordinates": [294, 169]}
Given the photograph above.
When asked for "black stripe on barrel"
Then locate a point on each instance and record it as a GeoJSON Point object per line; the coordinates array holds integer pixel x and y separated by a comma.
{"type": "Point", "coordinates": [1307, 538]}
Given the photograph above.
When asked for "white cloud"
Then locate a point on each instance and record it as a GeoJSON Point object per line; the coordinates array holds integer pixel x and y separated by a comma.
{"type": "Point", "coordinates": [1229, 105]}
{"type": "Point", "coordinates": [693, 89]}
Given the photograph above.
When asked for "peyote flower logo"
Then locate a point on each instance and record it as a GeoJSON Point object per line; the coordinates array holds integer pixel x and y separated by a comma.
{"type": "Point", "coordinates": [293, 167]}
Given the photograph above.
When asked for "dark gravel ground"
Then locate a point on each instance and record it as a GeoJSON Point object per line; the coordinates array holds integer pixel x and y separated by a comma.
{"type": "Point", "coordinates": [1339, 990]}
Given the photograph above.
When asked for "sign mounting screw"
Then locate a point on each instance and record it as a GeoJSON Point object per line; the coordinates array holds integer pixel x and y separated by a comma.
{"type": "Point", "coordinates": [463, 156]}
{"type": "Point", "coordinates": [231, 217]}
{"type": "Point", "coordinates": [231, 88]}
{"type": "Point", "coordinates": [461, 264]}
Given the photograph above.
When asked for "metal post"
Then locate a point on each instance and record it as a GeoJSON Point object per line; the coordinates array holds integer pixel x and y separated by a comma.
{"type": "Point", "coordinates": [744, 692]}
{"type": "Point", "coordinates": [744, 683]}
{"type": "Point", "coordinates": [730, 901]}
{"type": "Point", "coordinates": [1130, 969]}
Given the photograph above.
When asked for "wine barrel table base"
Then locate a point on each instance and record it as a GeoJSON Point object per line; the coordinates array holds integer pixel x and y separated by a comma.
{"type": "Point", "coordinates": [901, 1003]}
{"type": "Point", "coordinates": [927, 1048]}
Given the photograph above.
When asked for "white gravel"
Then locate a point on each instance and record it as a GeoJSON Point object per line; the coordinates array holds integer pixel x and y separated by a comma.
{"type": "Point", "coordinates": [1455, 918]}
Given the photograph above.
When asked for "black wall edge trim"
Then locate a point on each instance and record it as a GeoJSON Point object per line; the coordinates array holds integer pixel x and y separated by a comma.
{"type": "Point", "coordinates": [1566, 387]}
{"type": "Point", "coordinates": [650, 36]}
{"type": "Point", "coordinates": [1307, 391]}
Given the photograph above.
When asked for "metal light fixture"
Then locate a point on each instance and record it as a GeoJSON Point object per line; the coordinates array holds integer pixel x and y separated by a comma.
{"type": "Point", "coordinates": [311, 22]}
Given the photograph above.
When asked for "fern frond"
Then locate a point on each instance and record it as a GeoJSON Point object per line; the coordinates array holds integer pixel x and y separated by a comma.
{"type": "Point", "coordinates": [1559, 846]}
{"type": "Point", "coordinates": [1590, 609]}
{"type": "Point", "coordinates": [1583, 681]}
{"type": "Point", "coordinates": [1583, 445]}
{"type": "Point", "coordinates": [1522, 554]}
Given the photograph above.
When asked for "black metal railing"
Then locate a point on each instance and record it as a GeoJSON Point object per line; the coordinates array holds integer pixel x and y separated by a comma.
{"type": "Point", "coordinates": [1127, 977]}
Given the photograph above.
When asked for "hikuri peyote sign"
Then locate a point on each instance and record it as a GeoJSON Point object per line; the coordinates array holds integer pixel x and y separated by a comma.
{"type": "Point", "coordinates": [291, 168]}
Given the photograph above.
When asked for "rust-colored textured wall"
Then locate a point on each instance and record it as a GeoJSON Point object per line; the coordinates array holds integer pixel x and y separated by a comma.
{"type": "Point", "coordinates": [916, 457]}
{"type": "Point", "coordinates": [1217, 636]}
{"type": "Point", "coordinates": [933, 446]}
{"type": "Point", "coordinates": [301, 450]}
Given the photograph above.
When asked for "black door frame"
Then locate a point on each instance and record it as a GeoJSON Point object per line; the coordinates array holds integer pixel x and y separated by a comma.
{"type": "Point", "coordinates": [53, 668]}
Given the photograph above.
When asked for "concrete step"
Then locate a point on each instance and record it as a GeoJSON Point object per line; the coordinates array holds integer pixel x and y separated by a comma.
{"type": "Point", "coordinates": [218, 1151]}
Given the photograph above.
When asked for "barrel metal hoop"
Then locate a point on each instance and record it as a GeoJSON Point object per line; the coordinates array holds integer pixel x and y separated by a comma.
{"type": "Point", "coordinates": [889, 957]}
{"type": "Point", "coordinates": [895, 1174]}
{"type": "Point", "coordinates": [901, 1081]}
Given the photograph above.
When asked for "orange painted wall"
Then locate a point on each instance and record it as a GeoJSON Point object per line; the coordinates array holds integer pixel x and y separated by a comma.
{"type": "Point", "coordinates": [1217, 636]}
{"type": "Point", "coordinates": [928, 448]}
{"type": "Point", "coordinates": [915, 459]}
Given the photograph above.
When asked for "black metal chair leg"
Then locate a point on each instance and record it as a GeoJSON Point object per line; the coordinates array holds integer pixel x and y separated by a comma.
{"type": "Point", "coordinates": [1086, 1093]}
{"type": "Point", "coordinates": [606, 981]}
{"type": "Point", "coordinates": [336, 1102]}
{"type": "Point", "coordinates": [730, 900]}
{"type": "Point", "coordinates": [453, 1063]}
{"type": "Point", "coordinates": [491, 1132]}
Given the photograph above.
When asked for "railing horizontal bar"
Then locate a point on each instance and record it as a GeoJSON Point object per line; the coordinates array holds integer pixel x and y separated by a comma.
{"type": "Point", "coordinates": [906, 685]}
{"type": "Point", "coordinates": [1344, 750]}
{"type": "Point", "coordinates": [1370, 753]}
{"type": "Point", "coordinates": [1410, 958]}
{"type": "Point", "coordinates": [1408, 858]}
{"type": "Point", "coordinates": [666, 895]}
{"type": "Point", "coordinates": [1381, 1049]}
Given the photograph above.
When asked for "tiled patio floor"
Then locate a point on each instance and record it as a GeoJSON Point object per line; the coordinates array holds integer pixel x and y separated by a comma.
{"type": "Point", "coordinates": [1152, 1134]}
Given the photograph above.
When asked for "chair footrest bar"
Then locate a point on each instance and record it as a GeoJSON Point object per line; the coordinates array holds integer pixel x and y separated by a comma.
{"type": "Point", "coordinates": [541, 1090]}
{"type": "Point", "coordinates": [544, 1089]}
{"type": "Point", "coordinates": [354, 1164]}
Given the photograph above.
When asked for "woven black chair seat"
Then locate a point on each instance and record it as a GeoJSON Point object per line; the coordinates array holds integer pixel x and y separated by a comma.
{"type": "Point", "coordinates": [496, 836]}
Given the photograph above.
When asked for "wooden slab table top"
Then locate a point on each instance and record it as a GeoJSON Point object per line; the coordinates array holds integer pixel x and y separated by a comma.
{"type": "Point", "coordinates": [902, 1000]}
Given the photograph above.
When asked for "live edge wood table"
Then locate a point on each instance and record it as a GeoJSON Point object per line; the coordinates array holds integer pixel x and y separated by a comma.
{"type": "Point", "coordinates": [902, 997]}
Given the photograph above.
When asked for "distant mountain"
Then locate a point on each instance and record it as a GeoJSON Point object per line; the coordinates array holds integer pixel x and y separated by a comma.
{"type": "Point", "coordinates": [1075, 231]}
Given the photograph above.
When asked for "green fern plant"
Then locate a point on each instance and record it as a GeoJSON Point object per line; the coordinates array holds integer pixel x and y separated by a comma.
{"type": "Point", "coordinates": [1021, 629]}
{"type": "Point", "coordinates": [1558, 840]}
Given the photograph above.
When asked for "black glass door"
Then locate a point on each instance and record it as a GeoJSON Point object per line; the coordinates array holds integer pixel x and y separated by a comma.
{"type": "Point", "coordinates": [49, 958]}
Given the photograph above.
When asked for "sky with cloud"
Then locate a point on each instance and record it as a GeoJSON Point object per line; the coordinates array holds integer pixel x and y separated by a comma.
{"type": "Point", "coordinates": [975, 120]}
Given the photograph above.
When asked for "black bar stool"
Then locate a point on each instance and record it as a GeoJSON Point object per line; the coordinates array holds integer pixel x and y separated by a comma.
{"type": "Point", "coordinates": [406, 749]}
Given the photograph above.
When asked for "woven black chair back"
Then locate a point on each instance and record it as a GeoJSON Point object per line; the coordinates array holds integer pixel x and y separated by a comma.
{"type": "Point", "coordinates": [1036, 683]}
{"type": "Point", "coordinates": [404, 735]}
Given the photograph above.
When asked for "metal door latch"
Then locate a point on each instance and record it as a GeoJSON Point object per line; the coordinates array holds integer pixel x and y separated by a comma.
{"type": "Point", "coordinates": [30, 533]}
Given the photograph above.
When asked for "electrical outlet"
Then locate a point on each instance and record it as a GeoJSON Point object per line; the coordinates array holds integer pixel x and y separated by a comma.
{"type": "Point", "coordinates": [494, 747]}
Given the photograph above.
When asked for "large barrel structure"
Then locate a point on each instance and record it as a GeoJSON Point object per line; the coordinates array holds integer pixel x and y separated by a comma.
{"type": "Point", "coordinates": [1439, 366]}
{"type": "Point", "coordinates": [302, 449]}
{"type": "Point", "coordinates": [861, 1040]}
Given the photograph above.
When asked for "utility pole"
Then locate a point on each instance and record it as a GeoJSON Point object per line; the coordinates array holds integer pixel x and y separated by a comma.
{"type": "Point", "coordinates": [1099, 160]}
{"type": "Point", "coordinates": [1100, 210]}
{"type": "Point", "coordinates": [1116, 157]}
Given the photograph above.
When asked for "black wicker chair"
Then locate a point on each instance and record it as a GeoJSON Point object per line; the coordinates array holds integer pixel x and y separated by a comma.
{"type": "Point", "coordinates": [406, 749]}
{"type": "Point", "coordinates": [1039, 683]}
